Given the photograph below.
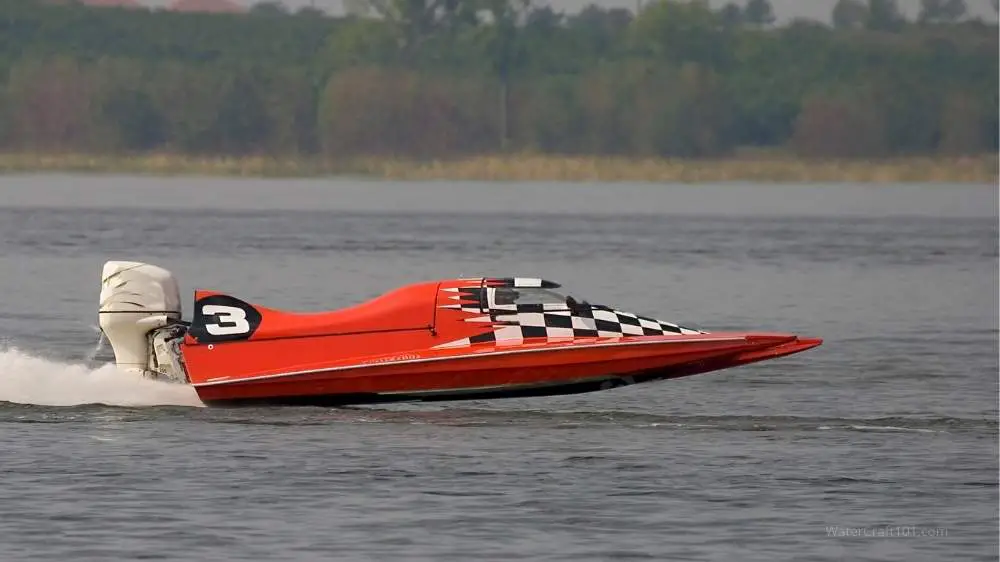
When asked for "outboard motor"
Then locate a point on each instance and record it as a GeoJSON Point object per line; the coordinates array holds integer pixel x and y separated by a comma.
{"type": "Point", "coordinates": [140, 314]}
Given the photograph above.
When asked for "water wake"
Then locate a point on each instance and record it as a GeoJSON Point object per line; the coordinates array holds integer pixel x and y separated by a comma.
{"type": "Point", "coordinates": [25, 379]}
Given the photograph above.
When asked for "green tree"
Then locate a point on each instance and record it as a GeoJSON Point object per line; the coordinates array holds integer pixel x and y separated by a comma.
{"type": "Point", "coordinates": [731, 15]}
{"type": "Point", "coordinates": [505, 51]}
{"type": "Point", "coordinates": [678, 31]}
{"type": "Point", "coordinates": [415, 21]}
{"type": "Point", "coordinates": [759, 12]}
{"type": "Point", "coordinates": [884, 15]}
{"type": "Point", "coordinates": [941, 11]}
{"type": "Point", "coordinates": [597, 32]}
{"type": "Point", "coordinates": [357, 8]}
{"type": "Point", "coordinates": [839, 127]}
{"type": "Point", "coordinates": [140, 124]}
{"type": "Point", "coordinates": [849, 14]}
{"type": "Point", "coordinates": [269, 8]}
{"type": "Point", "coordinates": [694, 122]}
{"type": "Point", "coordinates": [549, 116]}
{"type": "Point", "coordinates": [310, 12]}
{"type": "Point", "coordinates": [964, 129]}
{"type": "Point", "coordinates": [52, 98]}
{"type": "Point", "coordinates": [363, 42]}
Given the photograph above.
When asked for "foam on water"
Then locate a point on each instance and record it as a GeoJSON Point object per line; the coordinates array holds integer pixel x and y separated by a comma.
{"type": "Point", "coordinates": [25, 379]}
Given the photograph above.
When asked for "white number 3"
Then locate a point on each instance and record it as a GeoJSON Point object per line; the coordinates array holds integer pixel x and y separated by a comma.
{"type": "Point", "coordinates": [231, 320]}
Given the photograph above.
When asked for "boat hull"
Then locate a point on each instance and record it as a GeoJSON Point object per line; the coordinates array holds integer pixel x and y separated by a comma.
{"type": "Point", "coordinates": [488, 372]}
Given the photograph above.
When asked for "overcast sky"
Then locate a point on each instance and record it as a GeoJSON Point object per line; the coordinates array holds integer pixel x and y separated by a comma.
{"type": "Point", "coordinates": [784, 9]}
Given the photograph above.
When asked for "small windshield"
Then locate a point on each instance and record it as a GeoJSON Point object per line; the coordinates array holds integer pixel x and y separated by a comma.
{"type": "Point", "coordinates": [508, 295]}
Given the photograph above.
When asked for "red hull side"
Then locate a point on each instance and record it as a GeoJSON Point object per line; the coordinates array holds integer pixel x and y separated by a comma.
{"type": "Point", "coordinates": [499, 370]}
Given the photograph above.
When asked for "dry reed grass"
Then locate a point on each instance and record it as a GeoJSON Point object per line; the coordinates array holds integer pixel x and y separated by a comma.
{"type": "Point", "coordinates": [528, 167]}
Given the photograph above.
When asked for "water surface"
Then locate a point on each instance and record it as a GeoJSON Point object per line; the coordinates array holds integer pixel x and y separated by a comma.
{"type": "Point", "coordinates": [891, 424]}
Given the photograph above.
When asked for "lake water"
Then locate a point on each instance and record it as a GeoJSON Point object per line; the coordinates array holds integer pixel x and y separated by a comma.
{"type": "Point", "coordinates": [889, 428]}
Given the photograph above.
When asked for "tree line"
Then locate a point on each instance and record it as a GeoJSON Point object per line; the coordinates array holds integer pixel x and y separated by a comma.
{"type": "Point", "coordinates": [442, 78]}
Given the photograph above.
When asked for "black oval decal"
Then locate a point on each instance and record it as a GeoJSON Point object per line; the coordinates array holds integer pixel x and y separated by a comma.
{"type": "Point", "coordinates": [220, 318]}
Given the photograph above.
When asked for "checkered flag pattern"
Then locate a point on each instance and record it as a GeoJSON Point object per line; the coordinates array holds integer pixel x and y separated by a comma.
{"type": "Point", "coordinates": [515, 323]}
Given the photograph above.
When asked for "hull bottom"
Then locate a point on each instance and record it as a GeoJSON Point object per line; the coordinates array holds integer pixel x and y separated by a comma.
{"type": "Point", "coordinates": [525, 391]}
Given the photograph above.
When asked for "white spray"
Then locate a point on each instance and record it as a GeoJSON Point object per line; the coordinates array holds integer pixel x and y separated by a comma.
{"type": "Point", "coordinates": [26, 379]}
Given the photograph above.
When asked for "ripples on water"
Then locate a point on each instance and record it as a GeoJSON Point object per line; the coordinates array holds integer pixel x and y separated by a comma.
{"type": "Point", "coordinates": [858, 241]}
{"type": "Point", "coordinates": [891, 423]}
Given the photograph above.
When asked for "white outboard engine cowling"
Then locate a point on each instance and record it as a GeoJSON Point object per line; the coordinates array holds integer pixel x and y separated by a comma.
{"type": "Point", "coordinates": [140, 314]}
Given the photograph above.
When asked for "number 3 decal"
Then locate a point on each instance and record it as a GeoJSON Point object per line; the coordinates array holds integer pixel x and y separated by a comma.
{"type": "Point", "coordinates": [230, 320]}
{"type": "Point", "coordinates": [219, 318]}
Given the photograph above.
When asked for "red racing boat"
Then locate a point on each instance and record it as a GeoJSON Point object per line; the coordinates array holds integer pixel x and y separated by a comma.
{"type": "Point", "coordinates": [453, 339]}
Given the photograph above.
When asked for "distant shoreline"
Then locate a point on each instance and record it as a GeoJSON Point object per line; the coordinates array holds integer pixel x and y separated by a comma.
{"type": "Point", "coordinates": [780, 169]}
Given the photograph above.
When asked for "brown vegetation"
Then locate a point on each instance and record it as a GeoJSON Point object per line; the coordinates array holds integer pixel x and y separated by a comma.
{"type": "Point", "coordinates": [531, 167]}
